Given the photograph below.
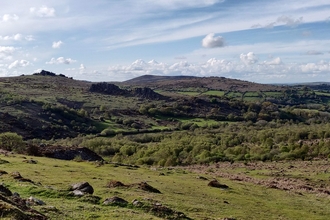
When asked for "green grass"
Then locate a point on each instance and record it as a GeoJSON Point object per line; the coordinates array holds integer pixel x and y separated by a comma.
{"type": "Point", "coordinates": [215, 93]}
{"type": "Point", "coordinates": [199, 121]}
{"type": "Point", "coordinates": [322, 93]}
{"type": "Point", "coordinates": [273, 94]}
{"type": "Point", "coordinates": [234, 94]}
{"type": "Point", "coordinates": [189, 93]}
{"type": "Point", "coordinates": [181, 191]}
{"type": "Point", "coordinates": [251, 94]}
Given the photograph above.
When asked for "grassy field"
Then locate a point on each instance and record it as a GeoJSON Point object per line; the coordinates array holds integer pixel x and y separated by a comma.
{"type": "Point", "coordinates": [215, 93]}
{"type": "Point", "coordinates": [180, 188]}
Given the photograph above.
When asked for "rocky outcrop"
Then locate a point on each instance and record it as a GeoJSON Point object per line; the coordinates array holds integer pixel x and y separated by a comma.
{"type": "Point", "coordinates": [146, 93]}
{"type": "Point", "coordinates": [111, 89]}
{"type": "Point", "coordinates": [15, 207]}
{"type": "Point", "coordinates": [107, 88]}
{"type": "Point", "coordinates": [69, 153]}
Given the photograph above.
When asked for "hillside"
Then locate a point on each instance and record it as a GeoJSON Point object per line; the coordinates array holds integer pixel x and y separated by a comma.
{"type": "Point", "coordinates": [50, 106]}
{"type": "Point", "coordinates": [210, 83]}
{"type": "Point", "coordinates": [162, 148]}
{"type": "Point", "coordinates": [31, 189]}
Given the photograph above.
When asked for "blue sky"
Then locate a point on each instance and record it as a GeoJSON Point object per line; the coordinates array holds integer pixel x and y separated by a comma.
{"type": "Point", "coordinates": [277, 41]}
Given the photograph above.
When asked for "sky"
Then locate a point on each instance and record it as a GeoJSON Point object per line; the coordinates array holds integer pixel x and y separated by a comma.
{"type": "Point", "coordinates": [278, 41]}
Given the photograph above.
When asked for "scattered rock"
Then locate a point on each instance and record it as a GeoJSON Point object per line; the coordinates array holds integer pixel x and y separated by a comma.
{"type": "Point", "coordinates": [15, 194]}
{"type": "Point", "coordinates": [161, 174]}
{"type": "Point", "coordinates": [5, 191]}
{"type": "Point", "coordinates": [215, 183]}
{"type": "Point", "coordinates": [2, 172]}
{"type": "Point", "coordinates": [16, 208]}
{"type": "Point", "coordinates": [30, 161]}
{"type": "Point", "coordinates": [80, 189]}
{"type": "Point", "coordinates": [137, 203]}
{"type": "Point", "coordinates": [201, 178]}
{"type": "Point", "coordinates": [115, 201]}
{"type": "Point", "coordinates": [3, 161]}
{"type": "Point", "coordinates": [16, 175]}
{"type": "Point", "coordinates": [34, 201]}
{"type": "Point", "coordinates": [77, 193]}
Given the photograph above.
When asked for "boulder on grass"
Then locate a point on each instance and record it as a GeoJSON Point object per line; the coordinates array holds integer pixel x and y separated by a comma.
{"type": "Point", "coordinates": [215, 183]}
{"type": "Point", "coordinates": [80, 189]}
{"type": "Point", "coordinates": [115, 201]}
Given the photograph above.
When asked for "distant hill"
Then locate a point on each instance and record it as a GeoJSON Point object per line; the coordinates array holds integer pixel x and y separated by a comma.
{"type": "Point", "coordinates": [212, 83]}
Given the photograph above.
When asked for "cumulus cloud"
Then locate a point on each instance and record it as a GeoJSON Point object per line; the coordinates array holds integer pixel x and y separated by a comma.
{"type": "Point", "coordinates": [19, 63]}
{"type": "Point", "coordinates": [9, 17]}
{"type": "Point", "coordinates": [212, 41]}
{"type": "Point", "coordinates": [320, 67]}
{"type": "Point", "coordinates": [249, 58]}
{"type": "Point", "coordinates": [57, 44]}
{"type": "Point", "coordinates": [7, 50]}
{"type": "Point", "coordinates": [43, 11]}
{"type": "Point", "coordinates": [82, 68]}
{"type": "Point", "coordinates": [61, 60]}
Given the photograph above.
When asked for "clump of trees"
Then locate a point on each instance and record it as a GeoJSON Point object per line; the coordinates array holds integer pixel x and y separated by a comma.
{"type": "Point", "coordinates": [260, 141]}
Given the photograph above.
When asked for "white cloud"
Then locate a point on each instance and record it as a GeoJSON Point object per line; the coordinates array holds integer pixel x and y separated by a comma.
{"type": "Point", "coordinates": [16, 37]}
{"type": "Point", "coordinates": [57, 44]}
{"type": "Point", "coordinates": [82, 68]}
{"type": "Point", "coordinates": [43, 11]}
{"type": "Point", "coordinates": [289, 21]}
{"type": "Point", "coordinates": [276, 61]}
{"type": "Point", "coordinates": [249, 58]}
{"type": "Point", "coordinates": [282, 20]}
{"type": "Point", "coordinates": [29, 38]}
{"type": "Point", "coordinates": [7, 50]}
{"type": "Point", "coordinates": [19, 63]}
{"type": "Point", "coordinates": [9, 17]}
{"type": "Point", "coordinates": [211, 41]}
{"type": "Point", "coordinates": [267, 71]}
{"type": "Point", "coordinates": [61, 60]}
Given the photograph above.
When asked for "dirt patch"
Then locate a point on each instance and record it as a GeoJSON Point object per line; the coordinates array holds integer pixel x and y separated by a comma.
{"type": "Point", "coordinates": [114, 184]}
{"type": "Point", "coordinates": [146, 187]}
{"type": "Point", "coordinates": [216, 184]}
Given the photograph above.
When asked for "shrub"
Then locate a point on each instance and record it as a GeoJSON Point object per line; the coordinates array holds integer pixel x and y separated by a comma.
{"type": "Point", "coordinates": [11, 142]}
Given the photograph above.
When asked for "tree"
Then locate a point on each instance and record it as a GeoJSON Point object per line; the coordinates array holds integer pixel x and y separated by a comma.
{"type": "Point", "coordinates": [11, 142]}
